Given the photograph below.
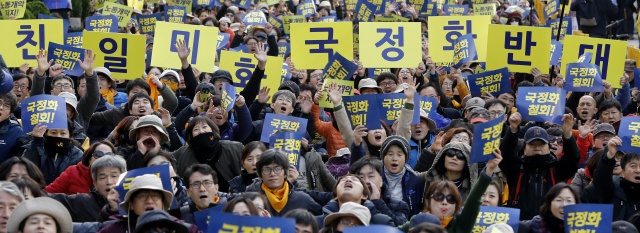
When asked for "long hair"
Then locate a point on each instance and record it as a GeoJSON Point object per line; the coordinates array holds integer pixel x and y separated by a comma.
{"type": "Point", "coordinates": [123, 127]}
{"type": "Point", "coordinates": [86, 157]}
{"type": "Point", "coordinates": [440, 187]}
{"type": "Point", "coordinates": [253, 211]}
{"type": "Point", "coordinates": [553, 193]}
{"type": "Point", "coordinates": [33, 170]}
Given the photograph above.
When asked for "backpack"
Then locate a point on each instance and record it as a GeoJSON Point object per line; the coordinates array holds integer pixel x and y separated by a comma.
{"type": "Point", "coordinates": [588, 13]}
{"type": "Point", "coordinates": [338, 165]}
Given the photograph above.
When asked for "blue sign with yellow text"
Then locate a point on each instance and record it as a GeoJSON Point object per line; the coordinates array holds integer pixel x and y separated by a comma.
{"type": "Point", "coordinates": [162, 171]}
{"type": "Point", "coordinates": [628, 132]}
{"type": "Point", "coordinates": [339, 68]}
{"type": "Point", "coordinates": [306, 8]}
{"type": "Point", "coordinates": [277, 23]}
{"type": "Point", "coordinates": [102, 23]}
{"type": "Point", "coordinates": [556, 52]}
{"type": "Point", "coordinates": [358, 108]}
{"type": "Point", "coordinates": [228, 222]}
{"type": "Point", "coordinates": [255, 17]}
{"type": "Point", "coordinates": [426, 103]}
{"type": "Point", "coordinates": [551, 8]}
{"type": "Point", "coordinates": [523, 11]}
{"type": "Point", "coordinates": [364, 11]}
{"type": "Point", "coordinates": [66, 56]}
{"type": "Point", "coordinates": [541, 104]}
{"type": "Point", "coordinates": [175, 14]}
{"type": "Point", "coordinates": [588, 218]}
{"type": "Point", "coordinates": [583, 77]}
{"type": "Point", "coordinates": [327, 19]}
{"type": "Point", "coordinates": [564, 30]}
{"type": "Point", "coordinates": [495, 82]}
{"type": "Point", "coordinates": [228, 98]}
{"type": "Point", "coordinates": [289, 143]}
{"type": "Point", "coordinates": [486, 138]}
{"type": "Point", "coordinates": [464, 50]}
{"type": "Point", "coordinates": [375, 72]}
{"type": "Point", "coordinates": [456, 10]}
{"type": "Point", "coordinates": [490, 215]}
{"type": "Point", "coordinates": [286, 75]}
{"type": "Point", "coordinates": [148, 22]}
{"type": "Point", "coordinates": [389, 106]}
{"type": "Point", "coordinates": [49, 110]}
{"type": "Point", "coordinates": [273, 122]}
{"type": "Point", "coordinates": [223, 40]}
{"type": "Point", "coordinates": [283, 49]}
{"type": "Point", "coordinates": [73, 39]}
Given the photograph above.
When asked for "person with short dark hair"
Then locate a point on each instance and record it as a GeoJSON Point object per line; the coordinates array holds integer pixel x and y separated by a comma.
{"type": "Point", "coordinates": [550, 216]}
{"type": "Point", "coordinates": [250, 154]}
{"type": "Point", "coordinates": [21, 89]}
{"type": "Point", "coordinates": [202, 187]}
{"type": "Point", "coordinates": [352, 189]}
{"type": "Point", "coordinates": [387, 81]}
{"type": "Point", "coordinates": [305, 221]}
{"type": "Point", "coordinates": [10, 130]}
{"type": "Point", "coordinates": [610, 111]}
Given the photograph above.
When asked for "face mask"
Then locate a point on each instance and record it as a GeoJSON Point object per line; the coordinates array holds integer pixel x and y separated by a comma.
{"type": "Point", "coordinates": [515, 23]}
{"type": "Point", "coordinates": [172, 85]}
{"type": "Point", "coordinates": [56, 145]}
{"type": "Point", "coordinates": [203, 141]}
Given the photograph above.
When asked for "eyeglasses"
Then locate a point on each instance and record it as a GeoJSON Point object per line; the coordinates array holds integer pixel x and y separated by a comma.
{"type": "Point", "coordinates": [447, 84]}
{"type": "Point", "coordinates": [286, 100]}
{"type": "Point", "coordinates": [619, 155]}
{"type": "Point", "coordinates": [316, 76]}
{"type": "Point", "coordinates": [404, 72]}
{"type": "Point", "coordinates": [143, 196]}
{"type": "Point", "coordinates": [60, 86]}
{"type": "Point", "coordinates": [348, 223]}
{"type": "Point", "coordinates": [605, 135]}
{"type": "Point", "coordinates": [440, 197]}
{"type": "Point", "coordinates": [387, 84]}
{"type": "Point", "coordinates": [206, 183]}
{"type": "Point", "coordinates": [252, 44]}
{"type": "Point", "coordinates": [267, 171]}
{"type": "Point", "coordinates": [496, 113]}
{"type": "Point", "coordinates": [461, 138]}
{"type": "Point", "coordinates": [556, 140]}
{"type": "Point", "coordinates": [169, 78]}
{"type": "Point", "coordinates": [451, 153]}
{"type": "Point", "coordinates": [98, 154]}
{"type": "Point", "coordinates": [5, 105]}
{"type": "Point", "coordinates": [17, 87]}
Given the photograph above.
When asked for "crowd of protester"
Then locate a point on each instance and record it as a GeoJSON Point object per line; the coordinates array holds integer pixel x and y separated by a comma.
{"type": "Point", "coordinates": [416, 177]}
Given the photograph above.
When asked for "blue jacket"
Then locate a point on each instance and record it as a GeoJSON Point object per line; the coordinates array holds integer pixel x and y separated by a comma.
{"type": "Point", "coordinates": [119, 99]}
{"type": "Point", "coordinates": [417, 147]}
{"type": "Point", "coordinates": [10, 134]}
{"type": "Point", "coordinates": [38, 155]}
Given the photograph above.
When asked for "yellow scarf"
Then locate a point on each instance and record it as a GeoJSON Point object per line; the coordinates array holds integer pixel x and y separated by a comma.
{"type": "Point", "coordinates": [215, 200]}
{"type": "Point", "coordinates": [444, 221]}
{"type": "Point", "coordinates": [109, 94]}
{"type": "Point", "coordinates": [172, 85]}
{"type": "Point", "coordinates": [278, 199]}
{"type": "Point", "coordinates": [154, 92]}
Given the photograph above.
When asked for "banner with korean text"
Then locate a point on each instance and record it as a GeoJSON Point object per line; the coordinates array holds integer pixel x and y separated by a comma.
{"type": "Point", "coordinates": [228, 97]}
{"type": "Point", "coordinates": [486, 138]}
{"type": "Point", "coordinates": [49, 110]}
{"type": "Point", "coordinates": [73, 39]}
{"type": "Point", "coordinates": [464, 51]}
{"type": "Point", "coordinates": [519, 48]}
{"type": "Point", "coordinates": [555, 52]}
{"type": "Point", "coordinates": [162, 171]}
{"type": "Point", "coordinates": [389, 106]}
{"type": "Point", "coordinates": [494, 82]}
{"type": "Point", "coordinates": [174, 14]}
{"type": "Point", "coordinates": [588, 218]}
{"type": "Point", "coordinates": [339, 68]}
{"type": "Point", "coordinates": [122, 54]}
{"type": "Point", "coordinates": [564, 30]}
{"type": "Point", "coordinates": [273, 122]}
{"type": "Point", "coordinates": [364, 11]}
{"type": "Point", "coordinates": [628, 132]}
{"type": "Point", "coordinates": [541, 104]}
{"type": "Point", "coordinates": [306, 8]}
{"type": "Point", "coordinates": [344, 86]}
{"type": "Point", "coordinates": [390, 45]}
{"type": "Point", "coordinates": [228, 222]}
{"type": "Point", "coordinates": [484, 9]}
{"type": "Point", "coordinates": [490, 215]}
{"type": "Point", "coordinates": [288, 20]}
{"type": "Point", "coordinates": [289, 143]}
{"type": "Point", "coordinates": [609, 55]}
{"type": "Point", "coordinates": [15, 8]}
{"type": "Point", "coordinates": [359, 109]}
{"type": "Point", "coordinates": [185, 3]}
{"type": "Point", "coordinates": [102, 23]}
{"type": "Point", "coordinates": [202, 54]}
{"type": "Point", "coordinates": [148, 22]}
{"type": "Point", "coordinates": [25, 38]}
{"type": "Point", "coordinates": [66, 56]}
{"type": "Point", "coordinates": [444, 30]}
{"type": "Point", "coordinates": [241, 66]}
{"type": "Point", "coordinates": [426, 103]}
{"type": "Point", "coordinates": [456, 10]}
{"type": "Point", "coordinates": [313, 44]}
{"type": "Point", "coordinates": [255, 17]}
{"type": "Point", "coordinates": [583, 77]}
{"type": "Point", "coordinates": [121, 11]}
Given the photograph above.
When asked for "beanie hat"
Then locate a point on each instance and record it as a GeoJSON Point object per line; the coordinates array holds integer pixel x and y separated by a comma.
{"type": "Point", "coordinates": [220, 73]}
{"type": "Point", "coordinates": [397, 141]}
{"type": "Point", "coordinates": [291, 86]}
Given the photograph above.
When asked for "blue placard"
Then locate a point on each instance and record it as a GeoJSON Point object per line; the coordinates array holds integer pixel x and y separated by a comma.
{"type": "Point", "coordinates": [49, 110]}
{"type": "Point", "coordinates": [588, 218]}
{"type": "Point", "coordinates": [389, 106]}
{"type": "Point", "coordinates": [628, 132]}
{"type": "Point", "coordinates": [254, 17]}
{"type": "Point", "coordinates": [383, 6]}
{"type": "Point", "coordinates": [161, 171]}
{"type": "Point", "coordinates": [66, 56]}
{"type": "Point", "coordinates": [556, 52]}
{"type": "Point", "coordinates": [175, 14]}
{"type": "Point", "coordinates": [277, 23]}
{"type": "Point", "coordinates": [464, 50]}
{"type": "Point", "coordinates": [372, 228]}
{"type": "Point", "coordinates": [429, 8]}
{"type": "Point", "coordinates": [283, 49]}
{"type": "Point", "coordinates": [486, 138]}
{"type": "Point", "coordinates": [583, 77]}
{"type": "Point", "coordinates": [306, 8]}
{"type": "Point", "coordinates": [553, 24]}
{"type": "Point", "coordinates": [339, 67]}
{"type": "Point", "coordinates": [228, 97]}
{"type": "Point", "coordinates": [327, 19]}
{"type": "Point", "coordinates": [585, 58]}
{"type": "Point", "coordinates": [490, 215]}
{"type": "Point", "coordinates": [426, 103]}
{"type": "Point", "coordinates": [65, 23]}
{"type": "Point", "coordinates": [102, 23]}
{"type": "Point", "coordinates": [148, 55]}
{"type": "Point", "coordinates": [273, 122]}
{"type": "Point", "coordinates": [636, 74]}
{"type": "Point", "coordinates": [358, 107]}
{"type": "Point", "coordinates": [202, 217]}
{"type": "Point", "coordinates": [202, 3]}
{"type": "Point", "coordinates": [364, 11]}
{"type": "Point", "coordinates": [228, 222]}
{"type": "Point", "coordinates": [148, 23]}
{"type": "Point", "coordinates": [551, 8]}
{"type": "Point", "coordinates": [523, 11]}
{"type": "Point", "coordinates": [445, 65]}
{"type": "Point", "coordinates": [375, 72]}
{"type": "Point", "coordinates": [244, 4]}
{"type": "Point", "coordinates": [456, 10]}
{"type": "Point", "coordinates": [289, 143]}
{"type": "Point", "coordinates": [541, 104]}
{"type": "Point", "coordinates": [495, 82]}
{"type": "Point", "coordinates": [73, 39]}
{"type": "Point", "coordinates": [223, 41]}
{"type": "Point", "coordinates": [286, 75]}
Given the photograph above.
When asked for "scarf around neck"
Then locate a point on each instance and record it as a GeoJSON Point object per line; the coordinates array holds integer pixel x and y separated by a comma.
{"type": "Point", "coordinates": [109, 94]}
{"type": "Point", "coordinates": [394, 179]}
{"type": "Point", "coordinates": [277, 199]}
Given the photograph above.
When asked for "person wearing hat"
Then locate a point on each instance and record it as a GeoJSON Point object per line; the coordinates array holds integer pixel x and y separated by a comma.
{"type": "Point", "coordinates": [471, 104]}
{"type": "Point", "coordinates": [530, 178]}
{"type": "Point", "coordinates": [224, 25]}
{"type": "Point", "coordinates": [159, 221]}
{"type": "Point", "coordinates": [171, 79]}
{"type": "Point", "coordinates": [145, 194]}
{"type": "Point", "coordinates": [514, 18]}
{"type": "Point", "coordinates": [42, 214]}
{"type": "Point", "coordinates": [369, 86]}
{"type": "Point", "coordinates": [629, 68]}
{"type": "Point", "coordinates": [452, 164]}
{"type": "Point", "coordinates": [10, 130]}
{"type": "Point", "coordinates": [151, 135]}
{"type": "Point", "coordinates": [10, 197]}
{"type": "Point", "coordinates": [267, 34]}
{"type": "Point", "coordinates": [350, 215]}
{"type": "Point", "coordinates": [324, 9]}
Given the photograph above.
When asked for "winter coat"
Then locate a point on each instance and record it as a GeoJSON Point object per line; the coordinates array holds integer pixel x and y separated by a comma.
{"type": "Point", "coordinates": [228, 165]}
{"type": "Point", "coordinates": [237, 131]}
{"type": "Point", "coordinates": [127, 225]}
{"type": "Point", "coordinates": [10, 134]}
{"type": "Point", "coordinates": [334, 207]}
{"type": "Point", "coordinates": [98, 133]}
{"type": "Point", "coordinates": [536, 174]}
{"type": "Point", "coordinates": [319, 178]}
{"type": "Point", "coordinates": [624, 206]}
{"type": "Point", "coordinates": [239, 183]}
{"type": "Point", "coordinates": [432, 175]}
{"type": "Point", "coordinates": [296, 200]}
{"type": "Point", "coordinates": [83, 207]}
{"type": "Point", "coordinates": [580, 181]}
{"type": "Point", "coordinates": [326, 129]}
{"type": "Point", "coordinates": [398, 210]}
{"type": "Point", "coordinates": [186, 212]}
{"type": "Point", "coordinates": [76, 179]}
{"type": "Point", "coordinates": [38, 155]}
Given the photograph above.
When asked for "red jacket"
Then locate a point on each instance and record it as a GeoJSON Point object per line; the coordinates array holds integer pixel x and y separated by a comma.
{"type": "Point", "coordinates": [326, 129]}
{"type": "Point", "coordinates": [76, 179]}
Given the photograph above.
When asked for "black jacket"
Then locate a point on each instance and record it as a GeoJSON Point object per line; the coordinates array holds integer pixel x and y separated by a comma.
{"type": "Point", "coordinates": [606, 10]}
{"type": "Point", "coordinates": [83, 207]}
{"type": "Point", "coordinates": [398, 210]}
{"type": "Point", "coordinates": [536, 174]}
{"type": "Point", "coordinates": [186, 212]}
{"type": "Point", "coordinates": [296, 200]}
{"type": "Point", "coordinates": [623, 204]}
{"type": "Point", "coordinates": [239, 183]}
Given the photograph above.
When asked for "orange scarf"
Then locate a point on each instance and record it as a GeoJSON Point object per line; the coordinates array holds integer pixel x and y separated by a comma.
{"type": "Point", "coordinates": [445, 221]}
{"type": "Point", "coordinates": [215, 200]}
{"type": "Point", "coordinates": [154, 92]}
{"type": "Point", "coordinates": [278, 199]}
{"type": "Point", "coordinates": [109, 94]}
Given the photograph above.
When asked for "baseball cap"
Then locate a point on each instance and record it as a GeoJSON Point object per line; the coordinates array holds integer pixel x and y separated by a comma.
{"type": "Point", "coordinates": [604, 127]}
{"type": "Point", "coordinates": [479, 115]}
{"type": "Point", "coordinates": [475, 102]}
{"type": "Point", "coordinates": [534, 133]}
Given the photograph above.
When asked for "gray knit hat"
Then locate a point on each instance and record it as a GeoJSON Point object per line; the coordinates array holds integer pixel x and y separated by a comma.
{"type": "Point", "coordinates": [398, 141]}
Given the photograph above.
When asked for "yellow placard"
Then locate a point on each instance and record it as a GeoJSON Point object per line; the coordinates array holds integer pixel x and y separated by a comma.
{"type": "Point", "coordinates": [385, 19]}
{"type": "Point", "coordinates": [391, 45]}
{"type": "Point", "coordinates": [608, 54]}
{"type": "Point", "coordinates": [444, 30]}
{"type": "Point", "coordinates": [121, 11]}
{"type": "Point", "coordinates": [100, 3]}
{"type": "Point", "coordinates": [13, 8]}
{"type": "Point", "coordinates": [634, 53]}
{"type": "Point", "coordinates": [400, 18]}
{"type": "Point", "coordinates": [241, 66]}
{"type": "Point", "coordinates": [22, 39]}
{"type": "Point", "coordinates": [313, 43]}
{"type": "Point", "coordinates": [203, 52]}
{"type": "Point", "coordinates": [122, 54]}
{"type": "Point", "coordinates": [185, 3]}
{"type": "Point", "coordinates": [519, 48]}
{"type": "Point", "coordinates": [484, 9]}
{"type": "Point", "coordinates": [136, 4]}
{"type": "Point", "coordinates": [287, 20]}
{"type": "Point", "coordinates": [346, 86]}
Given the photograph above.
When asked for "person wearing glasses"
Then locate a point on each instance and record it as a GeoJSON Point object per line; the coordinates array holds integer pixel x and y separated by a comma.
{"type": "Point", "coordinates": [452, 164]}
{"type": "Point", "coordinates": [462, 135]}
{"type": "Point", "coordinates": [10, 130]}
{"type": "Point", "coordinates": [85, 207]}
{"type": "Point", "coordinates": [77, 178]}
{"type": "Point", "coordinates": [202, 187]}
{"type": "Point", "coordinates": [162, 158]}
{"type": "Point", "coordinates": [388, 82]}
{"type": "Point", "coordinates": [272, 168]}
{"type": "Point", "coordinates": [350, 215]}
{"type": "Point", "coordinates": [21, 88]}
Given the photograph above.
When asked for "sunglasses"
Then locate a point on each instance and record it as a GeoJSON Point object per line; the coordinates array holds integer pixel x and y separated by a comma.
{"type": "Point", "coordinates": [440, 197]}
{"type": "Point", "coordinates": [98, 154]}
{"type": "Point", "coordinates": [451, 153]}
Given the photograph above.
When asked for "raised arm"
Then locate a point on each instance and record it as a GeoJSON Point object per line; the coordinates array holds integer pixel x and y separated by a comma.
{"type": "Point", "coordinates": [406, 114]}
{"type": "Point", "coordinates": [568, 161]}
{"type": "Point", "coordinates": [603, 176]}
{"type": "Point", "coordinates": [187, 72]}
